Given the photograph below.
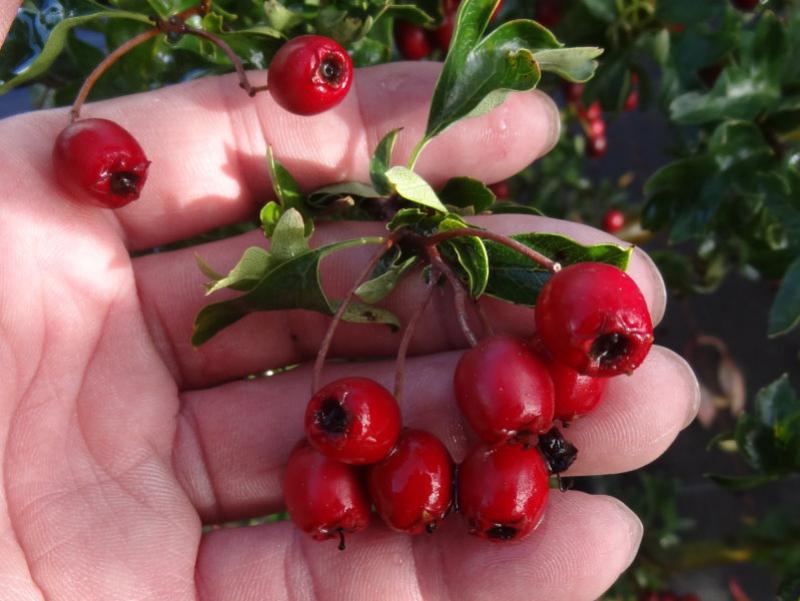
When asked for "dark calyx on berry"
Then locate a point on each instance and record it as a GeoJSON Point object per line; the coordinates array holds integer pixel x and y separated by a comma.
{"type": "Point", "coordinates": [501, 532]}
{"type": "Point", "coordinates": [332, 417]}
{"type": "Point", "coordinates": [125, 184]}
{"type": "Point", "coordinates": [608, 349]}
{"type": "Point", "coordinates": [331, 70]}
{"type": "Point", "coordinates": [557, 451]}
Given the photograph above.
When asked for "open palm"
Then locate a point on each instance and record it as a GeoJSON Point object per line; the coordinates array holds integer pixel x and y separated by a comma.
{"type": "Point", "coordinates": [118, 440]}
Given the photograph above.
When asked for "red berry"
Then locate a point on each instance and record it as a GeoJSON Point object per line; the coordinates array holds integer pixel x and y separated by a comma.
{"type": "Point", "coordinates": [594, 112]}
{"type": "Point", "coordinates": [502, 490]}
{"type": "Point", "coordinates": [412, 487]}
{"type": "Point", "coordinates": [596, 147]}
{"type": "Point", "coordinates": [613, 221]}
{"type": "Point", "coordinates": [746, 5]}
{"type": "Point", "coordinates": [353, 420]}
{"type": "Point", "coordinates": [412, 40]}
{"type": "Point", "coordinates": [310, 74]}
{"type": "Point", "coordinates": [548, 13]}
{"type": "Point", "coordinates": [632, 101]}
{"type": "Point", "coordinates": [500, 189]}
{"type": "Point", "coordinates": [573, 92]}
{"type": "Point", "coordinates": [575, 394]}
{"type": "Point", "coordinates": [324, 497]}
{"type": "Point", "coordinates": [596, 128]}
{"type": "Point", "coordinates": [593, 317]}
{"type": "Point", "coordinates": [503, 388]}
{"type": "Point", "coordinates": [100, 163]}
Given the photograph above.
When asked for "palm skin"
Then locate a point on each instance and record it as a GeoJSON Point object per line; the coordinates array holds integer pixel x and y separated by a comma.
{"type": "Point", "coordinates": [118, 441]}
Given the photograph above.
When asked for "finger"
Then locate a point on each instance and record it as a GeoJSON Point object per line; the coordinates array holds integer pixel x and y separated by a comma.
{"type": "Point", "coordinates": [582, 545]}
{"type": "Point", "coordinates": [207, 141]}
{"type": "Point", "coordinates": [233, 440]}
{"type": "Point", "coordinates": [170, 287]}
{"type": "Point", "coordinates": [8, 10]}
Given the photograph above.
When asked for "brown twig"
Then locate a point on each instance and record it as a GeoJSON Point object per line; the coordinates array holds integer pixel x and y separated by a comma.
{"type": "Point", "coordinates": [337, 317]}
{"type": "Point", "coordinates": [103, 67]}
{"type": "Point", "coordinates": [528, 252]}
{"type": "Point", "coordinates": [459, 292]}
{"type": "Point", "coordinates": [402, 351]}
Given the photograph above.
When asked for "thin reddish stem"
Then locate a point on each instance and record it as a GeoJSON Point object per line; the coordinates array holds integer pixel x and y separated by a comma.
{"type": "Point", "coordinates": [533, 255]}
{"type": "Point", "coordinates": [244, 82]}
{"type": "Point", "coordinates": [459, 292]}
{"type": "Point", "coordinates": [337, 317]}
{"type": "Point", "coordinates": [402, 351]}
{"type": "Point", "coordinates": [104, 65]}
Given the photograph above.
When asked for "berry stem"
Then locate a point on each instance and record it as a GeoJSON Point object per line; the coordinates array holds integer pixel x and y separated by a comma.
{"type": "Point", "coordinates": [402, 351]}
{"type": "Point", "coordinates": [104, 65]}
{"type": "Point", "coordinates": [506, 241]}
{"type": "Point", "coordinates": [458, 290]}
{"type": "Point", "coordinates": [337, 316]}
{"type": "Point", "coordinates": [244, 82]}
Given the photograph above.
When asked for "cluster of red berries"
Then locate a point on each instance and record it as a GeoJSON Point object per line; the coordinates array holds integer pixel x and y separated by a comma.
{"type": "Point", "coordinates": [592, 323]}
{"type": "Point", "coordinates": [591, 118]}
{"type": "Point", "coordinates": [101, 163]}
{"type": "Point", "coordinates": [415, 42]}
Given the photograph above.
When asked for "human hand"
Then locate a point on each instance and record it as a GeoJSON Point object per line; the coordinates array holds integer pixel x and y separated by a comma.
{"type": "Point", "coordinates": [118, 440]}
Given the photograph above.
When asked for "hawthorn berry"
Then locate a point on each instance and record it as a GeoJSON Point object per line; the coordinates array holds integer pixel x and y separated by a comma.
{"type": "Point", "coordinates": [310, 74]}
{"type": "Point", "coordinates": [593, 318]}
{"type": "Point", "coordinates": [412, 40]}
{"type": "Point", "coordinates": [613, 221]}
{"type": "Point", "coordinates": [596, 147]}
{"type": "Point", "coordinates": [503, 388]}
{"type": "Point", "coordinates": [502, 490]}
{"type": "Point", "coordinates": [573, 92]}
{"type": "Point", "coordinates": [411, 487]}
{"type": "Point", "coordinates": [99, 162]}
{"type": "Point", "coordinates": [576, 394]}
{"type": "Point", "coordinates": [501, 189]}
{"type": "Point", "coordinates": [593, 113]}
{"type": "Point", "coordinates": [596, 128]}
{"type": "Point", "coordinates": [353, 420]}
{"type": "Point", "coordinates": [324, 497]}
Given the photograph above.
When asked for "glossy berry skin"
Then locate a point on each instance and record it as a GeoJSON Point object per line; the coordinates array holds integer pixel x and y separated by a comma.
{"type": "Point", "coordinates": [594, 112]}
{"type": "Point", "coordinates": [502, 490]}
{"type": "Point", "coordinates": [613, 221]}
{"type": "Point", "coordinates": [412, 487]}
{"type": "Point", "coordinates": [593, 318]}
{"type": "Point", "coordinates": [412, 40]}
{"type": "Point", "coordinates": [596, 128]}
{"type": "Point", "coordinates": [324, 497]}
{"type": "Point", "coordinates": [310, 74]}
{"type": "Point", "coordinates": [576, 394]}
{"type": "Point", "coordinates": [503, 388]}
{"type": "Point", "coordinates": [100, 163]}
{"type": "Point", "coordinates": [353, 420]}
{"type": "Point", "coordinates": [596, 147]}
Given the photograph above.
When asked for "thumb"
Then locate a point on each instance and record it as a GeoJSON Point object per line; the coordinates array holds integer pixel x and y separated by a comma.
{"type": "Point", "coordinates": [8, 10]}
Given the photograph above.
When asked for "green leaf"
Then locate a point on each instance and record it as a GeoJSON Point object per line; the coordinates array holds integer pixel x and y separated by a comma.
{"type": "Point", "coordinates": [467, 193]}
{"type": "Point", "coordinates": [737, 143]}
{"type": "Point", "coordinates": [784, 315]}
{"type": "Point", "coordinates": [502, 208]}
{"type": "Point", "coordinates": [289, 237]}
{"type": "Point", "coordinates": [412, 187]}
{"type": "Point", "coordinates": [292, 284]}
{"type": "Point", "coordinates": [58, 38]}
{"type": "Point", "coordinates": [255, 262]}
{"type": "Point", "coordinates": [573, 64]}
{"type": "Point", "coordinates": [604, 10]}
{"type": "Point", "coordinates": [469, 254]}
{"type": "Point", "coordinates": [269, 216]}
{"type": "Point", "coordinates": [286, 188]}
{"type": "Point", "coordinates": [279, 17]}
{"type": "Point", "coordinates": [387, 276]}
{"type": "Point", "coordinates": [360, 313]}
{"type": "Point", "coordinates": [517, 279]}
{"type": "Point", "coordinates": [381, 161]}
{"type": "Point", "coordinates": [410, 13]}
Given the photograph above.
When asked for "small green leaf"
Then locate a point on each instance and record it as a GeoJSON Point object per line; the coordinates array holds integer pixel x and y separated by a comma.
{"type": "Point", "coordinates": [279, 17]}
{"type": "Point", "coordinates": [469, 254]}
{"type": "Point", "coordinates": [58, 38]}
{"type": "Point", "coordinates": [381, 161]}
{"type": "Point", "coordinates": [501, 208]}
{"type": "Point", "coordinates": [269, 216]}
{"type": "Point", "coordinates": [573, 64]}
{"type": "Point", "coordinates": [467, 192]}
{"type": "Point", "coordinates": [360, 313]}
{"type": "Point", "coordinates": [388, 276]}
{"type": "Point", "coordinates": [784, 315]}
{"type": "Point", "coordinates": [412, 187]}
{"type": "Point", "coordinates": [734, 144]}
{"type": "Point", "coordinates": [286, 188]}
{"type": "Point", "coordinates": [255, 262]}
{"type": "Point", "coordinates": [289, 237]}
{"type": "Point", "coordinates": [517, 279]}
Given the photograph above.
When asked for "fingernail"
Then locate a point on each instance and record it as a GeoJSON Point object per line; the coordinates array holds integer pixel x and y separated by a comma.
{"type": "Point", "coordinates": [689, 379]}
{"type": "Point", "coordinates": [635, 528]}
{"type": "Point", "coordinates": [660, 301]}
{"type": "Point", "coordinates": [553, 122]}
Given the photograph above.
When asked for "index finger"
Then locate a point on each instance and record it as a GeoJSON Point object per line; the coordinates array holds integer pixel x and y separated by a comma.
{"type": "Point", "coordinates": [207, 141]}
